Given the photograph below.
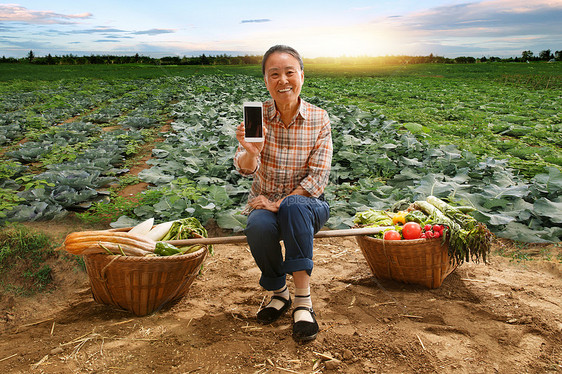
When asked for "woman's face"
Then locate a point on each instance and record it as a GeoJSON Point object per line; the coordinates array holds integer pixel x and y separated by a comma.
{"type": "Point", "coordinates": [283, 78]}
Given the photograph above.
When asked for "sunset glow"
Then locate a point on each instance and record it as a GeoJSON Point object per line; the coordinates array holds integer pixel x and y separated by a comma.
{"type": "Point", "coordinates": [316, 28]}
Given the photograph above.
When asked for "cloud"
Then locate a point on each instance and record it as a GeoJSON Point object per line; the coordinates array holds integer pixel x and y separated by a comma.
{"type": "Point", "coordinates": [99, 29]}
{"type": "Point", "coordinates": [261, 20]}
{"type": "Point", "coordinates": [492, 17]}
{"type": "Point", "coordinates": [118, 37]}
{"type": "Point", "coordinates": [498, 27]}
{"type": "Point", "coordinates": [154, 32]}
{"type": "Point", "coordinates": [26, 45]}
{"type": "Point", "coordinates": [17, 13]}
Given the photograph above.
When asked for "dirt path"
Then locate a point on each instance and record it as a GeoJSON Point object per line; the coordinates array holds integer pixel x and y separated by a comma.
{"type": "Point", "coordinates": [503, 317]}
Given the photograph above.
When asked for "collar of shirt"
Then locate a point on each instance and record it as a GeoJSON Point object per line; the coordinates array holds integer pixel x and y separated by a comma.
{"type": "Point", "coordinates": [272, 112]}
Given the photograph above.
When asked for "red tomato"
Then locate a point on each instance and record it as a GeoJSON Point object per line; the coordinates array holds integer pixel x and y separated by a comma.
{"type": "Point", "coordinates": [437, 228]}
{"type": "Point", "coordinates": [427, 228]}
{"type": "Point", "coordinates": [392, 235]}
{"type": "Point", "coordinates": [411, 230]}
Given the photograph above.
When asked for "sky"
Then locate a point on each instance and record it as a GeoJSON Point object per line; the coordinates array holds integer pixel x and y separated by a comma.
{"type": "Point", "coordinates": [316, 28]}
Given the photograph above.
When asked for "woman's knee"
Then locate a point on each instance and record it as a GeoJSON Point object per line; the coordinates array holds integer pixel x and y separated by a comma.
{"type": "Point", "coordinates": [261, 224]}
{"type": "Point", "coordinates": [293, 204]}
{"type": "Point", "coordinates": [302, 211]}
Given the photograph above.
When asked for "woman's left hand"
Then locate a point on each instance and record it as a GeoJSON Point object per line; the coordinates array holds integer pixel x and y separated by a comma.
{"type": "Point", "coordinates": [262, 202]}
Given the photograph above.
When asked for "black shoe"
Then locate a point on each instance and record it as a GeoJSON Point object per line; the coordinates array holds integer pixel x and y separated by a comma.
{"type": "Point", "coordinates": [304, 330]}
{"type": "Point", "coordinates": [269, 314]}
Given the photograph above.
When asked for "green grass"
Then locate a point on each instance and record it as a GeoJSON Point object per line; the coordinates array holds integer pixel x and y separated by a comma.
{"type": "Point", "coordinates": [23, 253]}
{"type": "Point", "coordinates": [518, 73]}
{"type": "Point", "coordinates": [23, 73]}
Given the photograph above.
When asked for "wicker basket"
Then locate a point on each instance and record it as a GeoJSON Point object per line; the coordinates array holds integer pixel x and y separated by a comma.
{"type": "Point", "coordinates": [420, 261]}
{"type": "Point", "coordinates": [142, 285]}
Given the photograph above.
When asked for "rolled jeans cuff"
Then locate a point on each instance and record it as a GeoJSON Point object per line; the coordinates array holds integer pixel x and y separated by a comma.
{"type": "Point", "coordinates": [298, 264]}
{"type": "Point", "coordinates": [272, 284]}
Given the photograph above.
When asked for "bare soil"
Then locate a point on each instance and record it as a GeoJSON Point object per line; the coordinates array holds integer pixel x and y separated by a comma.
{"type": "Point", "coordinates": [500, 317]}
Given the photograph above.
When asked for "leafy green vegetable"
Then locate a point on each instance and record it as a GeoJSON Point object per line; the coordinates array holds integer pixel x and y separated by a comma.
{"type": "Point", "coordinates": [166, 249]}
{"type": "Point", "coordinates": [468, 238]}
{"type": "Point", "coordinates": [397, 137]}
{"type": "Point", "coordinates": [416, 216]}
{"type": "Point", "coordinates": [187, 228]}
{"type": "Point", "coordinates": [373, 217]}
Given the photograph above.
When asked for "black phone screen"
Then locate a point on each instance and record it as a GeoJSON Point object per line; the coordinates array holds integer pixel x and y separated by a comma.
{"type": "Point", "coordinates": [253, 122]}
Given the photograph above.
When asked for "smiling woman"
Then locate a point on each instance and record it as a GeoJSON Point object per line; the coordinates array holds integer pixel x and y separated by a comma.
{"type": "Point", "coordinates": [290, 170]}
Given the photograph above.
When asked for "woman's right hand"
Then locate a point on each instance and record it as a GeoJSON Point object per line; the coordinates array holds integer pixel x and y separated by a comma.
{"type": "Point", "coordinates": [253, 149]}
{"type": "Point", "coordinates": [262, 202]}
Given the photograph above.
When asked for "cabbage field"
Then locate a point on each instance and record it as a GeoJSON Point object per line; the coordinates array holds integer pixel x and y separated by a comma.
{"type": "Point", "coordinates": [484, 135]}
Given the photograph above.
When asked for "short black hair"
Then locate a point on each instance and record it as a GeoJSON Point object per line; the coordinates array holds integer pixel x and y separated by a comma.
{"type": "Point", "coordinates": [281, 49]}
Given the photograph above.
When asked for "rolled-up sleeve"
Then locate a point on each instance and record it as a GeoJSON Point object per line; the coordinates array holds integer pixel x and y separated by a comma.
{"type": "Point", "coordinates": [243, 172]}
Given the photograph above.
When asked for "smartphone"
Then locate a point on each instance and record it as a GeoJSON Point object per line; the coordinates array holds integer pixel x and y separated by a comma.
{"type": "Point", "coordinates": [253, 121]}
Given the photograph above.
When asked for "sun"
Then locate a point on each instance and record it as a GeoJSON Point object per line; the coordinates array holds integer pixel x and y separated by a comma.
{"type": "Point", "coordinates": [364, 40]}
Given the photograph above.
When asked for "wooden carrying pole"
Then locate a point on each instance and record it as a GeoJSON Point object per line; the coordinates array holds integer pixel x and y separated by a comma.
{"type": "Point", "coordinates": [242, 239]}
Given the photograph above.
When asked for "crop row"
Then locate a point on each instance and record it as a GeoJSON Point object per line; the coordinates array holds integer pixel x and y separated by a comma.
{"type": "Point", "coordinates": [71, 158]}
{"type": "Point", "coordinates": [487, 117]}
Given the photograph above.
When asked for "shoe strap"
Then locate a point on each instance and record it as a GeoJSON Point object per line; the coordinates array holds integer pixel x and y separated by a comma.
{"type": "Point", "coordinates": [302, 307]}
{"type": "Point", "coordinates": [279, 298]}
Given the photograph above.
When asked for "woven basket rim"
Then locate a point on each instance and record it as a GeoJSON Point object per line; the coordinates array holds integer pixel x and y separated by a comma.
{"type": "Point", "coordinates": [402, 242]}
{"type": "Point", "coordinates": [183, 257]}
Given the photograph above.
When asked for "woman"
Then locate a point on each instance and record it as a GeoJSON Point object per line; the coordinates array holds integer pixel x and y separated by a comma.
{"type": "Point", "coordinates": [286, 202]}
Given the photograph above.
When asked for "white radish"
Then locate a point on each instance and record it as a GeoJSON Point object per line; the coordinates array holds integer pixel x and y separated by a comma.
{"type": "Point", "coordinates": [142, 228]}
{"type": "Point", "coordinates": [159, 231]}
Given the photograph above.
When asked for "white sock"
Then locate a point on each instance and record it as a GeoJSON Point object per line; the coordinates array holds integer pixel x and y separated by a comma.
{"type": "Point", "coordinates": [278, 304]}
{"type": "Point", "coordinates": [302, 298]}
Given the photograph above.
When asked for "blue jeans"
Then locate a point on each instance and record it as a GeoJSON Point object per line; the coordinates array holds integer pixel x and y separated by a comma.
{"type": "Point", "coordinates": [296, 222]}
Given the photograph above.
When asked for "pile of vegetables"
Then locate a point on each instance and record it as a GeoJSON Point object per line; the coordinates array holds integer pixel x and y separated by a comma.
{"type": "Point", "coordinates": [144, 239]}
{"type": "Point", "coordinates": [187, 228]}
{"type": "Point", "coordinates": [467, 238]}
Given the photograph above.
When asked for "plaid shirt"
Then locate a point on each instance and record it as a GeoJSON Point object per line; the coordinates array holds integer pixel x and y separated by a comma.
{"type": "Point", "coordinates": [293, 155]}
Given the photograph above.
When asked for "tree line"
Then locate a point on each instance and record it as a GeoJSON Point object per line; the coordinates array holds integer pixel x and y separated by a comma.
{"type": "Point", "coordinates": [70, 59]}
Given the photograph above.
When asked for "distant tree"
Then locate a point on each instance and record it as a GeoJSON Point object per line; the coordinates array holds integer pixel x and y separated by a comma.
{"type": "Point", "coordinates": [545, 55]}
{"type": "Point", "coordinates": [8, 59]}
{"type": "Point", "coordinates": [483, 59]}
{"type": "Point", "coordinates": [558, 55]}
{"type": "Point", "coordinates": [526, 55]}
{"type": "Point", "coordinates": [465, 60]}
{"type": "Point", "coordinates": [30, 56]}
{"type": "Point", "coordinates": [69, 59]}
{"type": "Point", "coordinates": [170, 60]}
